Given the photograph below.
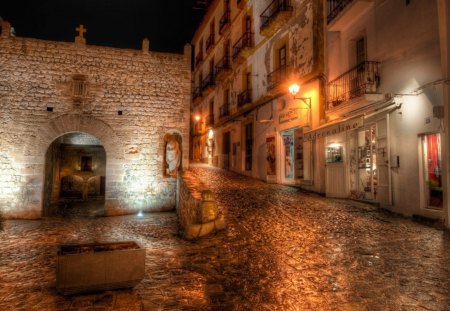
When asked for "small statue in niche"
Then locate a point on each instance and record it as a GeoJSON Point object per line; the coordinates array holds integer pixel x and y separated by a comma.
{"type": "Point", "coordinates": [173, 156]}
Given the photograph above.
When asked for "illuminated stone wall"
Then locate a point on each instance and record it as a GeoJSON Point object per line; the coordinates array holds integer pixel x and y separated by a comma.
{"type": "Point", "coordinates": [127, 99]}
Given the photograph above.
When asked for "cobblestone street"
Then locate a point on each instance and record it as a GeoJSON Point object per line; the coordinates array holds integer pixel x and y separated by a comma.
{"type": "Point", "coordinates": [283, 249]}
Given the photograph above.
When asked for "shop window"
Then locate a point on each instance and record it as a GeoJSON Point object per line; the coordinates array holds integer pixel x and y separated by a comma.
{"type": "Point", "coordinates": [335, 153]}
{"type": "Point", "coordinates": [432, 169]}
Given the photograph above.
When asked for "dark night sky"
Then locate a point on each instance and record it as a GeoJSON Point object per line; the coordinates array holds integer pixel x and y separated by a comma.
{"type": "Point", "coordinates": [169, 24]}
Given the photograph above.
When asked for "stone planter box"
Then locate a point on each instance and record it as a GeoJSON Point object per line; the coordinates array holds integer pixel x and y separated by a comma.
{"type": "Point", "coordinates": [99, 266]}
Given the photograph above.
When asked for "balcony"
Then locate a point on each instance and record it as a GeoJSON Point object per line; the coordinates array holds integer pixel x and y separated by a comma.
{"type": "Point", "coordinates": [275, 16]}
{"type": "Point", "coordinates": [210, 119]}
{"type": "Point", "coordinates": [224, 23]}
{"type": "Point", "coordinates": [198, 59]}
{"type": "Point", "coordinates": [356, 83]}
{"type": "Point", "coordinates": [224, 110]}
{"type": "Point", "coordinates": [208, 84]}
{"type": "Point", "coordinates": [342, 13]}
{"type": "Point", "coordinates": [209, 42]}
{"type": "Point", "coordinates": [276, 78]}
{"type": "Point", "coordinates": [244, 97]}
{"type": "Point", "coordinates": [243, 48]}
{"type": "Point", "coordinates": [223, 68]}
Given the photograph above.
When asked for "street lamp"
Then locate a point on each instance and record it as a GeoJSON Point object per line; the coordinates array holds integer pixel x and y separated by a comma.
{"type": "Point", "coordinates": [197, 118]}
{"type": "Point", "coordinates": [294, 88]}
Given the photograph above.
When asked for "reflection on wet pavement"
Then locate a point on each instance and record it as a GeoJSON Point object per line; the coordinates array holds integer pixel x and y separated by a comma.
{"type": "Point", "coordinates": [283, 249]}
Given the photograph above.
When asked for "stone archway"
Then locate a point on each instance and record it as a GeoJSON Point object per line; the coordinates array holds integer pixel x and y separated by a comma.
{"type": "Point", "coordinates": [74, 177]}
{"type": "Point", "coordinates": [38, 145]}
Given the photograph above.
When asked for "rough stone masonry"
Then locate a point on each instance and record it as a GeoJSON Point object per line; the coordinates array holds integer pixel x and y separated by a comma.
{"type": "Point", "coordinates": [128, 99]}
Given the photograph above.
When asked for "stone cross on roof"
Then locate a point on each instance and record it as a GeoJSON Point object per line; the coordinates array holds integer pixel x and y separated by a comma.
{"type": "Point", "coordinates": [81, 30]}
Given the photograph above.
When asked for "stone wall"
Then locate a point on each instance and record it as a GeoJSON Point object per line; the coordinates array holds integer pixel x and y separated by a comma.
{"type": "Point", "coordinates": [198, 213]}
{"type": "Point", "coordinates": [128, 99]}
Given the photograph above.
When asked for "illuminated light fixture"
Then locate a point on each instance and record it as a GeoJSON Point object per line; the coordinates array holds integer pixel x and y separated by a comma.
{"type": "Point", "coordinates": [197, 118]}
{"type": "Point", "coordinates": [140, 214]}
{"type": "Point", "coordinates": [294, 88]}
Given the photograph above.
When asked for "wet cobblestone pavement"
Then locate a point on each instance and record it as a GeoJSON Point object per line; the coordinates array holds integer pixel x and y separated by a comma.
{"type": "Point", "coordinates": [283, 249]}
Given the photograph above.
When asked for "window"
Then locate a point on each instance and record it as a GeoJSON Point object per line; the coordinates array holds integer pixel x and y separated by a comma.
{"type": "Point", "coordinates": [248, 146]}
{"type": "Point", "coordinates": [361, 51]}
{"type": "Point", "coordinates": [432, 169]}
{"type": "Point", "coordinates": [282, 57]}
{"type": "Point", "coordinates": [86, 164]}
{"type": "Point", "coordinates": [79, 86]}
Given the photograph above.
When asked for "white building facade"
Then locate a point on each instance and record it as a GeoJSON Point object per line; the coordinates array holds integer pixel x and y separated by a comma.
{"type": "Point", "coordinates": [387, 91]}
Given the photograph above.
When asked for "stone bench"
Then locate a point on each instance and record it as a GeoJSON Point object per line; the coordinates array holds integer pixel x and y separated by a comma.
{"type": "Point", "coordinates": [198, 213]}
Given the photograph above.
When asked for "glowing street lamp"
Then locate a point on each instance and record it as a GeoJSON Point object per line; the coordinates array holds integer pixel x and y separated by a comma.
{"type": "Point", "coordinates": [197, 118]}
{"type": "Point", "coordinates": [294, 88]}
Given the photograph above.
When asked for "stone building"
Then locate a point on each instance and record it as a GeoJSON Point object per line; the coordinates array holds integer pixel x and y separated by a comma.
{"type": "Point", "coordinates": [247, 53]}
{"type": "Point", "coordinates": [81, 122]}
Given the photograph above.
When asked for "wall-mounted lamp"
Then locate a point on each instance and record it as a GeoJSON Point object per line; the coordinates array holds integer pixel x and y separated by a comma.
{"type": "Point", "coordinates": [197, 118]}
{"type": "Point", "coordinates": [294, 88]}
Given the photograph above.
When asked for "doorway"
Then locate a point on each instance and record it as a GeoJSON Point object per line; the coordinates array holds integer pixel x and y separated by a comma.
{"type": "Point", "coordinates": [75, 169]}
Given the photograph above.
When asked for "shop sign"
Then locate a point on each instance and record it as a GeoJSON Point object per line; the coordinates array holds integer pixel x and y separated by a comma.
{"type": "Point", "coordinates": [288, 116]}
{"type": "Point", "coordinates": [334, 129]}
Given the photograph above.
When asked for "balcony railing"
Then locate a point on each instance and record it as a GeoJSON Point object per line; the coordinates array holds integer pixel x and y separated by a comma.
{"type": "Point", "coordinates": [210, 42]}
{"type": "Point", "coordinates": [196, 93]}
{"type": "Point", "coordinates": [362, 79]}
{"type": "Point", "coordinates": [198, 59]}
{"type": "Point", "coordinates": [224, 110]}
{"type": "Point", "coordinates": [223, 65]}
{"type": "Point", "coordinates": [224, 21]}
{"type": "Point", "coordinates": [244, 97]}
{"type": "Point", "coordinates": [208, 82]}
{"type": "Point", "coordinates": [245, 41]}
{"type": "Point", "coordinates": [210, 119]}
{"type": "Point", "coordinates": [276, 77]}
{"type": "Point", "coordinates": [273, 9]}
{"type": "Point", "coordinates": [335, 7]}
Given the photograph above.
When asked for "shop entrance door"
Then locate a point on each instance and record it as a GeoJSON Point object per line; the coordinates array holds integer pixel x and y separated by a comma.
{"type": "Point", "coordinates": [335, 171]}
{"type": "Point", "coordinates": [292, 156]}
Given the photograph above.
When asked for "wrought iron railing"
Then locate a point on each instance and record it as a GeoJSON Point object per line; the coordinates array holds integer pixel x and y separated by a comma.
{"type": "Point", "coordinates": [223, 64]}
{"type": "Point", "coordinates": [198, 59]}
{"type": "Point", "coordinates": [197, 92]}
{"type": "Point", "coordinates": [361, 79]}
{"type": "Point", "coordinates": [273, 9]}
{"type": "Point", "coordinates": [210, 119]}
{"type": "Point", "coordinates": [210, 41]}
{"type": "Point", "coordinates": [224, 110]}
{"type": "Point", "coordinates": [335, 7]}
{"type": "Point", "coordinates": [277, 76]}
{"type": "Point", "coordinates": [244, 98]}
{"type": "Point", "coordinates": [224, 20]}
{"type": "Point", "coordinates": [208, 81]}
{"type": "Point", "coordinates": [246, 40]}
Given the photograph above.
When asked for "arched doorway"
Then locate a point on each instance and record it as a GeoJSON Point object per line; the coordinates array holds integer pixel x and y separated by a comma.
{"type": "Point", "coordinates": [75, 175]}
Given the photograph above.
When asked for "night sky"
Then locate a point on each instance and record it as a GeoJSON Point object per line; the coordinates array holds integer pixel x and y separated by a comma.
{"type": "Point", "coordinates": [169, 24]}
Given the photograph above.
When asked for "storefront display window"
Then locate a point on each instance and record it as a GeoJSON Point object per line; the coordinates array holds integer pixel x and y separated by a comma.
{"type": "Point", "coordinates": [367, 168]}
{"type": "Point", "coordinates": [432, 165]}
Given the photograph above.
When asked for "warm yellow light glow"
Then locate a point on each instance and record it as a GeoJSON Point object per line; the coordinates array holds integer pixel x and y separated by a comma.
{"type": "Point", "coordinates": [197, 117]}
{"type": "Point", "coordinates": [294, 88]}
{"type": "Point", "coordinates": [211, 134]}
